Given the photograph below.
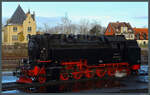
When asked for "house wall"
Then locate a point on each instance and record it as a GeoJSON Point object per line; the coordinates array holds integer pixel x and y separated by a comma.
{"type": "Point", "coordinates": [5, 35]}
{"type": "Point", "coordinates": [142, 42]}
{"type": "Point", "coordinates": [126, 29]}
{"type": "Point", "coordinates": [129, 36]}
{"type": "Point", "coordinates": [126, 33]}
{"type": "Point", "coordinates": [8, 31]}
{"type": "Point", "coordinates": [29, 22]}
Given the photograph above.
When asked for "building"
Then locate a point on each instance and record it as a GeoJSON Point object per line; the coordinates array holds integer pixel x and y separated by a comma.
{"type": "Point", "coordinates": [141, 35]}
{"type": "Point", "coordinates": [19, 26]}
{"type": "Point", "coordinates": [120, 28]}
{"type": "Point", "coordinates": [2, 34]}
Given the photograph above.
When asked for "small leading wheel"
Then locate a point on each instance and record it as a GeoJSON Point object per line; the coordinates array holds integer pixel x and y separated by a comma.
{"type": "Point", "coordinates": [100, 72]}
{"type": "Point", "coordinates": [42, 79]}
{"type": "Point", "coordinates": [64, 76]}
{"type": "Point", "coordinates": [111, 72]}
{"type": "Point", "coordinates": [77, 75]}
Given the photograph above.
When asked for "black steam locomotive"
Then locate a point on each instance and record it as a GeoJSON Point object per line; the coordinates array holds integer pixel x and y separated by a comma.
{"type": "Point", "coordinates": [64, 57]}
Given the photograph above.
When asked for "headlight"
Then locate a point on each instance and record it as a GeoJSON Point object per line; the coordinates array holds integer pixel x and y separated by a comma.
{"type": "Point", "coordinates": [100, 61]}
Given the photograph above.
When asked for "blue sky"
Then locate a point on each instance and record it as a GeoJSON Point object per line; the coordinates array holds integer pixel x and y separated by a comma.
{"type": "Point", "coordinates": [136, 13]}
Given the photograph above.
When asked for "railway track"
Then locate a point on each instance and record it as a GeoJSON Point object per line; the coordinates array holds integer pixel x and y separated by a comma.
{"type": "Point", "coordinates": [125, 83]}
{"type": "Point", "coordinates": [14, 85]}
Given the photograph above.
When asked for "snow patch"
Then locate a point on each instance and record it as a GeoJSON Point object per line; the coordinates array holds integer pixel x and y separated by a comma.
{"type": "Point", "coordinates": [6, 79]}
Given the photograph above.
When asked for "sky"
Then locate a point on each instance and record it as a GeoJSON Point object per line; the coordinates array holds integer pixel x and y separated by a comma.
{"type": "Point", "coordinates": [136, 13]}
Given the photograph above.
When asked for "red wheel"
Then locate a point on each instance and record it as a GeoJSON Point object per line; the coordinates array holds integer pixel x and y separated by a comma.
{"type": "Point", "coordinates": [111, 72]}
{"type": "Point", "coordinates": [100, 73]}
{"type": "Point", "coordinates": [90, 74]}
{"type": "Point", "coordinates": [64, 76]}
{"type": "Point", "coordinates": [42, 79]}
{"type": "Point", "coordinates": [77, 75]}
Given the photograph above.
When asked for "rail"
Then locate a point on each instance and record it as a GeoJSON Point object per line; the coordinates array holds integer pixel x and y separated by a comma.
{"type": "Point", "coordinates": [15, 85]}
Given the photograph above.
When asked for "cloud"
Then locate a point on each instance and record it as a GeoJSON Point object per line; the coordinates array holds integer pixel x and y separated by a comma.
{"type": "Point", "coordinates": [104, 20]}
{"type": "Point", "coordinates": [140, 17]}
{"type": "Point", "coordinates": [90, 17]}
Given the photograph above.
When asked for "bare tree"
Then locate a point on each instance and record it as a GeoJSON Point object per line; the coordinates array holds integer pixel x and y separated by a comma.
{"type": "Point", "coordinates": [47, 27]}
{"type": "Point", "coordinates": [67, 27]}
{"type": "Point", "coordinates": [66, 23]}
{"type": "Point", "coordinates": [103, 30]}
{"type": "Point", "coordinates": [96, 30]}
{"type": "Point", "coordinates": [39, 29]}
{"type": "Point", "coordinates": [84, 26]}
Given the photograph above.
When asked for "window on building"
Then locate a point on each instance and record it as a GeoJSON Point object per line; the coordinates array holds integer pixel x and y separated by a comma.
{"type": "Point", "coordinates": [138, 36]}
{"type": "Point", "coordinates": [144, 43]}
{"type": "Point", "coordinates": [124, 29]}
{"type": "Point", "coordinates": [29, 29]}
{"type": "Point", "coordinates": [14, 29]}
{"type": "Point", "coordinates": [14, 37]}
{"type": "Point", "coordinates": [144, 36]}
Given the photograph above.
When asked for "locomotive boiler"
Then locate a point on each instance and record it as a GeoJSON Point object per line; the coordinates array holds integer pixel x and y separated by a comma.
{"type": "Point", "coordinates": [66, 57]}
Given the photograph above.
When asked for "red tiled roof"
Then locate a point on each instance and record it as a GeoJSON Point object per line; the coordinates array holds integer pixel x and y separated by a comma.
{"type": "Point", "coordinates": [141, 32]}
{"type": "Point", "coordinates": [118, 25]}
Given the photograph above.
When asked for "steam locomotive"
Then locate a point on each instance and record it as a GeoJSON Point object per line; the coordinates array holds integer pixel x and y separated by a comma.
{"type": "Point", "coordinates": [66, 57]}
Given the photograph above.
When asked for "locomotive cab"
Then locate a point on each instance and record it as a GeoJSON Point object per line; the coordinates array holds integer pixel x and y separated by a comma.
{"type": "Point", "coordinates": [133, 54]}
